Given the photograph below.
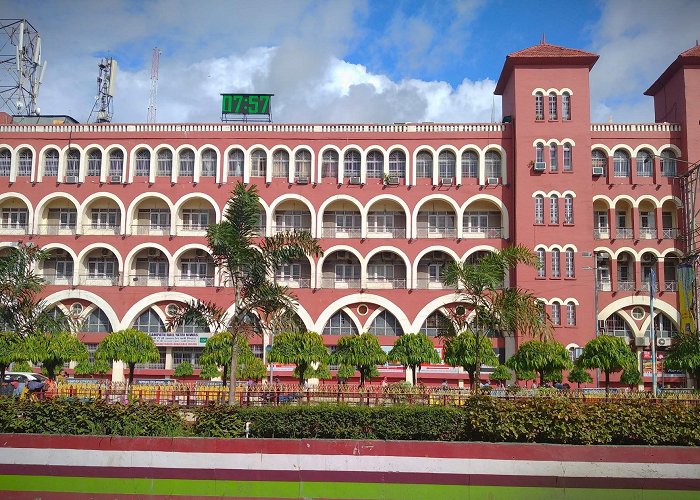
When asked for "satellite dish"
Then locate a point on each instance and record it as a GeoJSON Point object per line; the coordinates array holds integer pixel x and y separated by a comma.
{"type": "Point", "coordinates": [37, 111]}
{"type": "Point", "coordinates": [19, 105]}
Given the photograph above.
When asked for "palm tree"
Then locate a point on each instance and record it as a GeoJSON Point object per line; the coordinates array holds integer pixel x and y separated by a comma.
{"type": "Point", "coordinates": [485, 307]}
{"type": "Point", "coordinates": [246, 263]}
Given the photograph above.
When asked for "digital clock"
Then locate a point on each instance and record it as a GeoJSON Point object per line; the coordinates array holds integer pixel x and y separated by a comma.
{"type": "Point", "coordinates": [246, 104]}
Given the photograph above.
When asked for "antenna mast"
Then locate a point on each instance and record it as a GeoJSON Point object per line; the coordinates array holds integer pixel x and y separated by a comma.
{"type": "Point", "coordinates": [21, 69]}
{"type": "Point", "coordinates": [102, 110]}
{"type": "Point", "coordinates": [153, 99]}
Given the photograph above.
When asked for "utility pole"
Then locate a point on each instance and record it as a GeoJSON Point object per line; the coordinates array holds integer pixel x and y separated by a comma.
{"type": "Point", "coordinates": [153, 99]}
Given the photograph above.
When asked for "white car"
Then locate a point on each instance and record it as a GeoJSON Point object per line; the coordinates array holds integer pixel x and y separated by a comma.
{"type": "Point", "coordinates": [24, 377]}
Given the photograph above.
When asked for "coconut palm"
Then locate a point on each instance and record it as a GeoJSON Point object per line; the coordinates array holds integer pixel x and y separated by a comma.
{"type": "Point", "coordinates": [485, 307]}
{"type": "Point", "coordinates": [246, 263]}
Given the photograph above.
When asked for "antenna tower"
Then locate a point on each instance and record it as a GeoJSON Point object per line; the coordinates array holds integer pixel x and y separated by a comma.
{"type": "Point", "coordinates": [102, 110]}
{"type": "Point", "coordinates": [21, 68]}
{"type": "Point", "coordinates": [153, 99]}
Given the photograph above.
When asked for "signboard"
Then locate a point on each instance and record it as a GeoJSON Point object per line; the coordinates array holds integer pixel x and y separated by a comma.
{"type": "Point", "coordinates": [246, 107]}
{"type": "Point", "coordinates": [178, 339]}
{"type": "Point", "coordinates": [647, 366]}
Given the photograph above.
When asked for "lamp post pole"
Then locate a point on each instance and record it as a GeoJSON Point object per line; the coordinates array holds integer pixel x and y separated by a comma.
{"type": "Point", "coordinates": [652, 280]}
{"type": "Point", "coordinates": [596, 289]}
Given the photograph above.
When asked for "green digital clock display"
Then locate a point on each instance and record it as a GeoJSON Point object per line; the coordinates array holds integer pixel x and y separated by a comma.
{"type": "Point", "coordinates": [245, 104]}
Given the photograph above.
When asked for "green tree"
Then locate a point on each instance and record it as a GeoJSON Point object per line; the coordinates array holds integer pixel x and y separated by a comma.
{"type": "Point", "coordinates": [130, 346]}
{"type": "Point", "coordinates": [97, 367]}
{"type": "Point", "coordinates": [247, 262]}
{"type": "Point", "coordinates": [209, 371]}
{"type": "Point", "coordinates": [346, 372]}
{"type": "Point", "coordinates": [526, 375]}
{"type": "Point", "coordinates": [252, 369]}
{"type": "Point", "coordinates": [412, 350]}
{"type": "Point", "coordinates": [631, 377]}
{"type": "Point", "coordinates": [610, 354]}
{"type": "Point", "coordinates": [547, 358]}
{"type": "Point", "coordinates": [22, 366]}
{"type": "Point", "coordinates": [217, 352]}
{"type": "Point", "coordinates": [183, 369]}
{"type": "Point", "coordinates": [305, 350]}
{"type": "Point", "coordinates": [501, 374]}
{"type": "Point", "coordinates": [485, 307]}
{"type": "Point", "coordinates": [684, 355]}
{"type": "Point", "coordinates": [362, 352]}
{"type": "Point", "coordinates": [9, 351]}
{"type": "Point", "coordinates": [462, 350]}
{"type": "Point", "coordinates": [52, 350]}
{"type": "Point", "coordinates": [579, 376]}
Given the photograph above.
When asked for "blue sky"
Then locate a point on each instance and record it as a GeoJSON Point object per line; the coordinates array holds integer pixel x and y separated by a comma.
{"type": "Point", "coordinates": [346, 60]}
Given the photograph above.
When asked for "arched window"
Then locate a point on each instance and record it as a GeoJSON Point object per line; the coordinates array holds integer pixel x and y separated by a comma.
{"type": "Point", "coordinates": [424, 165]}
{"type": "Point", "coordinates": [98, 322]}
{"type": "Point", "coordinates": [621, 161]}
{"type": "Point", "coordinates": [663, 327]}
{"type": "Point", "coordinates": [5, 162]}
{"type": "Point", "coordinates": [435, 325]}
{"type": "Point", "coordinates": [116, 163]}
{"type": "Point", "coordinates": [569, 267]}
{"type": "Point", "coordinates": [386, 324]}
{"type": "Point", "coordinates": [541, 269]}
{"type": "Point", "coordinates": [568, 165]}
{"type": "Point", "coordinates": [165, 163]}
{"type": "Point", "coordinates": [539, 152]}
{"type": "Point", "coordinates": [186, 163]}
{"type": "Point", "coordinates": [258, 163]}
{"type": "Point", "coordinates": [51, 163]}
{"type": "Point", "coordinates": [539, 106]}
{"type": "Point", "coordinates": [352, 163]}
{"type": "Point", "coordinates": [616, 326]}
{"type": "Point", "coordinates": [539, 209]}
{"type": "Point", "coordinates": [493, 164]}
{"type": "Point", "coordinates": [149, 322]}
{"type": "Point", "coordinates": [566, 106]}
{"type": "Point", "coordinates": [668, 163]}
{"type": "Point", "coordinates": [94, 167]}
{"type": "Point", "coordinates": [568, 209]}
{"type": "Point", "coordinates": [143, 163]}
{"type": "Point", "coordinates": [375, 165]}
{"type": "Point", "coordinates": [556, 263]}
{"type": "Point", "coordinates": [570, 314]}
{"type": "Point", "coordinates": [599, 160]}
{"type": "Point", "coordinates": [236, 162]}
{"type": "Point", "coordinates": [447, 165]}
{"type": "Point", "coordinates": [645, 164]}
{"type": "Point", "coordinates": [554, 209]}
{"type": "Point", "coordinates": [26, 158]}
{"type": "Point", "coordinates": [302, 164]}
{"type": "Point", "coordinates": [280, 164]}
{"type": "Point", "coordinates": [397, 164]}
{"type": "Point", "coordinates": [556, 314]}
{"type": "Point", "coordinates": [329, 164]}
{"type": "Point", "coordinates": [470, 165]}
{"type": "Point", "coordinates": [553, 161]}
{"type": "Point", "coordinates": [339, 324]}
{"type": "Point", "coordinates": [552, 106]}
{"type": "Point", "coordinates": [209, 163]}
{"type": "Point", "coordinates": [73, 163]}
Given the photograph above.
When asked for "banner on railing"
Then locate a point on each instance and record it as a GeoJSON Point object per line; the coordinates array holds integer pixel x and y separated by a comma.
{"type": "Point", "coordinates": [686, 297]}
{"type": "Point", "coordinates": [179, 339]}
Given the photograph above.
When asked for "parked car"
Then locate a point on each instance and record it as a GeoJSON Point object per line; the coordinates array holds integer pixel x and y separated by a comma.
{"type": "Point", "coordinates": [17, 381]}
{"type": "Point", "coordinates": [24, 377]}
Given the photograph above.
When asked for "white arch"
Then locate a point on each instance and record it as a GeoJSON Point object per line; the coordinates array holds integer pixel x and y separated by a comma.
{"type": "Point", "coordinates": [61, 295]}
{"type": "Point", "coordinates": [128, 261]}
{"type": "Point", "coordinates": [394, 250]}
{"type": "Point", "coordinates": [672, 147]}
{"type": "Point", "coordinates": [83, 164]}
{"type": "Point", "coordinates": [624, 197]}
{"type": "Point", "coordinates": [505, 219]}
{"type": "Point", "coordinates": [672, 198]}
{"type": "Point", "coordinates": [422, 253]}
{"type": "Point", "coordinates": [623, 147]}
{"type": "Point", "coordinates": [671, 252]}
{"type": "Point", "coordinates": [132, 162]}
{"type": "Point", "coordinates": [25, 200]}
{"type": "Point", "coordinates": [648, 147]}
{"type": "Point", "coordinates": [191, 196]}
{"type": "Point", "coordinates": [637, 300]}
{"type": "Point", "coordinates": [125, 162]}
{"type": "Point", "coordinates": [293, 174]}
{"type": "Point", "coordinates": [504, 163]}
{"type": "Point", "coordinates": [388, 197]}
{"type": "Point", "coordinates": [429, 309]}
{"type": "Point", "coordinates": [62, 166]}
{"type": "Point", "coordinates": [335, 248]}
{"type": "Point", "coordinates": [647, 197]}
{"type": "Point", "coordinates": [133, 206]}
{"type": "Point", "coordinates": [602, 147]}
{"type": "Point", "coordinates": [41, 161]}
{"type": "Point", "coordinates": [150, 301]}
{"type": "Point", "coordinates": [85, 251]}
{"type": "Point", "coordinates": [14, 166]}
{"type": "Point", "coordinates": [566, 89]}
{"type": "Point", "coordinates": [568, 192]}
{"type": "Point", "coordinates": [407, 158]}
{"type": "Point", "coordinates": [295, 197]}
{"type": "Point", "coordinates": [356, 298]}
{"type": "Point", "coordinates": [61, 246]}
{"type": "Point", "coordinates": [433, 197]}
{"type": "Point", "coordinates": [629, 250]}
{"type": "Point", "coordinates": [111, 196]}
{"type": "Point", "coordinates": [606, 199]}
{"type": "Point", "coordinates": [539, 89]}
{"type": "Point", "coordinates": [319, 166]}
{"type": "Point", "coordinates": [198, 162]}
{"type": "Point", "coordinates": [419, 149]}
{"type": "Point", "coordinates": [227, 152]}
{"type": "Point", "coordinates": [340, 197]}
{"type": "Point", "coordinates": [477, 248]}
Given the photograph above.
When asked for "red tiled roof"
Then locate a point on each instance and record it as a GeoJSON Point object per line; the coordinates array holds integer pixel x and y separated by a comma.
{"type": "Point", "coordinates": [548, 50]}
{"type": "Point", "coordinates": [691, 52]}
{"type": "Point", "coordinates": [690, 56]}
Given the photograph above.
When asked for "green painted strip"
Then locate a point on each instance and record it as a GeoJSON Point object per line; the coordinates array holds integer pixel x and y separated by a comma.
{"type": "Point", "coordinates": [282, 489]}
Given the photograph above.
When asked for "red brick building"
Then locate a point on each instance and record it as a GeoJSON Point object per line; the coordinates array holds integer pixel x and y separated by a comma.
{"type": "Point", "coordinates": [123, 209]}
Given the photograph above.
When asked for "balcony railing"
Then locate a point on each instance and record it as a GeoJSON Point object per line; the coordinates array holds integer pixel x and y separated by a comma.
{"type": "Point", "coordinates": [99, 280]}
{"type": "Point", "coordinates": [430, 284]}
{"type": "Point", "coordinates": [601, 233]}
{"type": "Point", "coordinates": [486, 232]}
{"type": "Point", "coordinates": [150, 366]}
{"type": "Point", "coordinates": [102, 229]}
{"type": "Point", "coordinates": [148, 280]}
{"type": "Point", "coordinates": [341, 232]}
{"type": "Point", "coordinates": [151, 229]}
{"type": "Point", "coordinates": [198, 281]}
{"type": "Point", "coordinates": [605, 286]}
{"type": "Point", "coordinates": [259, 231]}
{"type": "Point", "coordinates": [647, 233]}
{"type": "Point", "coordinates": [383, 283]}
{"type": "Point", "coordinates": [644, 286]}
{"type": "Point", "coordinates": [14, 227]}
{"type": "Point", "coordinates": [669, 233]}
{"type": "Point", "coordinates": [193, 228]}
{"type": "Point", "coordinates": [58, 279]}
{"type": "Point", "coordinates": [624, 233]}
{"type": "Point", "coordinates": [293, 281]}
{"type": "Point", "coordinates": [670, 286]}
{"type": "Point", "coordinates": [340, 283]}
{"type": "Point", "coordinates": [625, 286]}
{"type": "Point", "coordinates": [386, 232]}
{"type": "Point", "coordinates": [57, 229]}
{"type": "Point", "coordinates": [425, 231]}
{"type": "Point", "coordinates": [290, 229]}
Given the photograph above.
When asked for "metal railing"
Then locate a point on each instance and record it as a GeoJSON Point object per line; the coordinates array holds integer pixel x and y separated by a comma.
{"type": "Point", "coordinates": [57, 229]}
{"type": "Point", "coordinates": [292, 282]}
{"type": "Point", "coordinates": [101, 229]}
{"type": "Point", "coordinates": [669, 233]}
{"type": "Point", "coordinates": [605, 286]}
{"type": "Point", "coordinates": [436, 232]}
{"type": "Point", "coordinates": [148, 280]}
{"type": "Point", "coordinates": [97, 280]}
{"type": "Point", "coordinates": [386, 232]}
{"type": "Point", "coordinates": [57, 279]}
{"type": "Point", "coordinates": [380, 283]}
{"type": "Point", "coordinates": [341, 232]}
{"type": "Point", "coordinates": [624, 233]}
{"type": "Point", "coordinates": [601, 233]}
{"type": "Point", "coordinates": [430, 284]}
{"type": "Point", "coordinates": [487, 232]}
{"type": "Point", "coordinates": [276, 229]}
{"type": "Point", "coordinates": [194, 280]}
{"type": "Point", "coordinates": [670, 286]}
{"type": "Point", "coordinates": [644, 286]}
{"type": "Point", "coordinates": [625, 286]}
{"type": "Point", "coordinates": [150, 229]}
{"type": "Point", "coordinates": [340, 283]}
{"type": "Point", "coordinates": [192, 227]}
{"type": "Point", "coordinates": [647, 233]}
{"type": "Point", "coordinates": [16, 228]}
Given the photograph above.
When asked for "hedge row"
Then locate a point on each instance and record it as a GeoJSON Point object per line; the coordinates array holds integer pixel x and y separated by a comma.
{"type": "Point", "coordinates": [543, 420]}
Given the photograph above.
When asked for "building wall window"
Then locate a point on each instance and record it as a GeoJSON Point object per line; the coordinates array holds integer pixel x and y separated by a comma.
{"type": "Point", "coordinates": [26, 158]}
{"type": "Point", "coordinates": [553, 161]}
{"type": "Point", "coordinates": [73, 163]}
{"type": "Point", "coordinates": [236, 163]}
{"type": "Point", "coordinates": [302, 164]}
{"type": "Point", "coordinates": [539, 106]}
{"type": "Point", "coordinates": [554, 209]}
{"type": "Point", "coordinates": [51, 163]}
{"type": "Point", "coordinates": [621, 162]}
{"type": "Point", "coordinates": [352, 164]}
{"type": "Point", "coordinates": [116, 163]}
{"type": "Point", "coordinates": [375, 164]}
{"type": "Point", "coordinates": [556, 314]}
{"type": "Point", "coordinates": [329, 164]}
{"type": "Point", "coordinates": [668, 163]}
{"type": "Point", "coordinates": [552, 106]}
{"type": "Point", "coordinates": [568, 209]}
{"type": "Point", "coordinates": [568, 166]}
{"type": "Point", "coordinates": [569, 262]}
{"type": "Point", "coordinates": [645, 164]}
{"type": "Point", "coordinates": [447, 165]}
{"type": "Point", "coordinates": [599, 159]}
{"type": "Point", "coordinates": [385, 324]}
{"type": "Point", "coordinates": [397, 165]}
{"type": "Point", "coordinates": [539, 152]}
{"type": "Point", "coordinates": [209, 163]}
{"type": "Point", "coordinates": [470, 164]}
{"type": "Point", "coordinates": [434, 325]}
{"type": "Point", "coordinates": [186, 163]}
{"type": "Point", "coordinates": [570, 314]}
{"type": "Point", "coordinates": [165, 163]}
{"type": "Point", "coordinates": [280, 164]}
{"type": "Point", "coordinates": [541, 269]}
{"type": "Point", "coordinates": [539, 209]}
{"type": "Point", "coordinates": [258, 160]}
{"type": "Point", "coordinates": [424, 165]}
{"type": "Point", "coordinates": [493, 164]}
{"type": "Point", "coordinates": [5, 162]}
{"type": "Point", "coordinates": [566, 106]}
{"type": "Point", "coordinates": [98, 322]}
{"type": "Point", "coordinates": [143, 163]}
{"type": "Point", "coordinates": [94, 166]}
{"type": "Point", "coordinates": [339, 324]}
{"type": "Point", "coordinates": [556, 263]}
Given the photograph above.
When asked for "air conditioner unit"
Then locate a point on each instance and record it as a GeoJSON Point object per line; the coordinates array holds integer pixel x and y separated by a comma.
{"type": "Point", "coordinates": [302, 180]}
{"type": "Point", "coordinates": [446, 181]}
{"type": "Point", "coordinates": [642, 341]}
{"type": "Point", "coordinates": [598, 171]}
{"type": "Point", "coordinates": [393, 181]}
{"type": "Point", "coordinates": [492, 181]}
{"type": "Point", "coordinates": [71, 179]}
{"type": "Point", "coordinates": [115, 179]}
{"type": "Point", "coordinates": [355, 181]}
{"type": "Point", "coordinates": [663, 342]}
{"type": "Point", "coordinates": [540, 166]}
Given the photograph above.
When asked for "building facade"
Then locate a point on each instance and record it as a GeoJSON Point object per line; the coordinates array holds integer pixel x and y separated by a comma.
{"type": "Point", "coordinates": [123, 209]}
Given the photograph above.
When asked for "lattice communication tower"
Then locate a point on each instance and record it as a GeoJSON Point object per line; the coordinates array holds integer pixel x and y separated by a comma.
{"type": "Point", "coordinates": [153, 99]}
{"type": "Point", "coordinates": [102, 110]}
{"type": "Point", "coordinates": [21, 67]}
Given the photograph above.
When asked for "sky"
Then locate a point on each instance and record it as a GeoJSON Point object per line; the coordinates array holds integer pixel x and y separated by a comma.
{"type": "Point", "coordinates": [345, 61]}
